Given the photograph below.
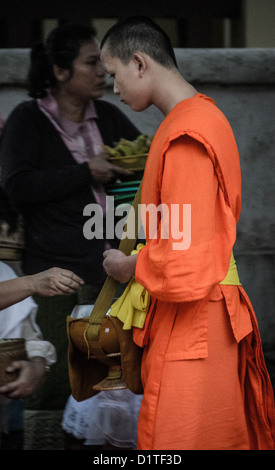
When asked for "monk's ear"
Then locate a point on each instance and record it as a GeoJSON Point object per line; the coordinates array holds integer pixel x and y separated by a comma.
{"type": "Point", "coordinates": [141, 62]}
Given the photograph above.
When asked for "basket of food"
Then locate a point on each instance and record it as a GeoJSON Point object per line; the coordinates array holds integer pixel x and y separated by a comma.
{"type": "Point", "coordinates": [11, 349]}
{"type": "Point", "coordinates": [131, 155]}
{"type": "Point", "coordinates": [130, 162]}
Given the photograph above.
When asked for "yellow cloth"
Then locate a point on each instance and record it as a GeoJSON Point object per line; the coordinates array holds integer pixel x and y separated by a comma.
{"type": "Point", "coordinates": [232, 277]}
{"type": "Point", "coordinates": [132, 306]}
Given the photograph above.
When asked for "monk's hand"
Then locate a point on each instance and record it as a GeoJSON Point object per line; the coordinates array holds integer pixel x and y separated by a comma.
{"type": "Point", "coordinates": [118, 265]}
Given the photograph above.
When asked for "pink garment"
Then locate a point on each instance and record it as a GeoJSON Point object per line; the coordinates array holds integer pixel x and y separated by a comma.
{"type": "Point", "coordinates": [83, 139]}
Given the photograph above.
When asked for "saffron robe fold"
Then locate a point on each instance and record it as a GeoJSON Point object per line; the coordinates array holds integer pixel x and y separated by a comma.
{"type": "Point", "coordinates": [205, 381]}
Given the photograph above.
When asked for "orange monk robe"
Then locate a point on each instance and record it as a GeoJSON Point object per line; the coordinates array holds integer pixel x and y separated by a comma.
{"type": "Point", "coordinates": [205, 381]}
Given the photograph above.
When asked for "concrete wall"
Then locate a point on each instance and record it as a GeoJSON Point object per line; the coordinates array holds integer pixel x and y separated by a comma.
{"type": "Point", "coordinates": [242, 83]}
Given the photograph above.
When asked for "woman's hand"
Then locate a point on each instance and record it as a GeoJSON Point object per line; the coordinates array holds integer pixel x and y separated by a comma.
{"type": "Point", "coordinates": [103, 171]}
{"type": "Point", "coordinates": [31, 375]}
{"type": "Point", "coordinates": [55, 281]}
{"type": "Point", "coordinates": [118, 265]}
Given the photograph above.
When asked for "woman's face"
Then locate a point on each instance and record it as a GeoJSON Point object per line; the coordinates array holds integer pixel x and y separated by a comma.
{"type": "Point", "coordinates": [87, 80]}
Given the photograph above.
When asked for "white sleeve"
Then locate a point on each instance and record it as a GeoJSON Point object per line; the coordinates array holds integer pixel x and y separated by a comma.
{"type": "Point", "coordinates": [35, 345]}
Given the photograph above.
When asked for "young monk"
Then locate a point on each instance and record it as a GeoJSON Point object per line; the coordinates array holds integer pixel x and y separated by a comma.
{"type": "Point", "coordinates": [206, 386]}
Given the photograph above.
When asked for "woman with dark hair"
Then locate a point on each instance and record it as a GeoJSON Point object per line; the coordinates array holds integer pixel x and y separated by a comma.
{"type": "Point", "coordinates": [52, 167]}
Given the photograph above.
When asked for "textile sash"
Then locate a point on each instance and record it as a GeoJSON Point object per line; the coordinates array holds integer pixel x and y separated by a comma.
{"type": "Point", "coordinates": [132, 307]}
{"type": "Point", "coordinates": [232, 277]}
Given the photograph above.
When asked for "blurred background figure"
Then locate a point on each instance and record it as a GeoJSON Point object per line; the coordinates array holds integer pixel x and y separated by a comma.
{"type": "Point", "coordinates": [52, 167]}
{"type": "Point", "coordinates": [18, 320]}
